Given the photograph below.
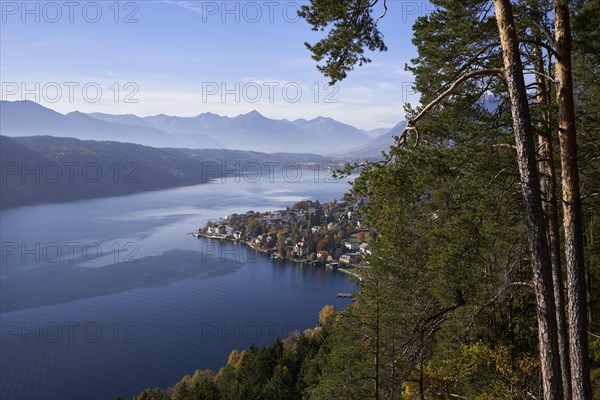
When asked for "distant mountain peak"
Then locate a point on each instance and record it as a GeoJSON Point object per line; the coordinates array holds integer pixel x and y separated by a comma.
{"type": "Point", "coordinates": [254, 113]}
{"type": "Point", "coordinates": [207, 114]}
{"type": "Point", "coordinates": [21, 101]}
{"type": "Point", "coordinates": [25, 103]}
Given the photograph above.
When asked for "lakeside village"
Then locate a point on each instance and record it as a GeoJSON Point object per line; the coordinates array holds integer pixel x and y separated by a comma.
{"type": "Point", "coordinates": [330, 235]}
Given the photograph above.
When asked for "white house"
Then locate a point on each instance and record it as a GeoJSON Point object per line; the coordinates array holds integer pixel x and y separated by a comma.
{"type": "Point", "coordinates": [345, 259]}
{"type": "Point", "coordinates": [365, 248]}
{"type": "Point", "coordinates": [216, 230]}
{"type": "Point", "coordinates": [352, 246]}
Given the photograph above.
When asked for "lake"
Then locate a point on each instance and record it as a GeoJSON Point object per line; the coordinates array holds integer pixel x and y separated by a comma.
{"type": "Point", "coordinates": [106, 297]}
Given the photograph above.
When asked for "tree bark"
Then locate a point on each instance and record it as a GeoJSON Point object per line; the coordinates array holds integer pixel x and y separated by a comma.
{"type": "Point", "coordinates": [548, 188]}
{"type": "Point", "coordinates": [421, 385]}
{"type": "Point", "coordinates": [377, 343]}
{"type": "Point", "coordinates": [530, 185]}
{"type": "Point", "coordinates": [572, 220]}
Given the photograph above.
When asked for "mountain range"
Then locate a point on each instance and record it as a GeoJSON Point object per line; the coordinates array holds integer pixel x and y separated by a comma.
{"type": "Point", "coordinates": [251, 131]}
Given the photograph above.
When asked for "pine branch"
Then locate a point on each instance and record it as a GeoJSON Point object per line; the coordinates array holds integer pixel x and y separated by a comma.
{"type": "Point", "coordinates": [542, 44]}
{"type": "Point", "coordinates": [410, 126]}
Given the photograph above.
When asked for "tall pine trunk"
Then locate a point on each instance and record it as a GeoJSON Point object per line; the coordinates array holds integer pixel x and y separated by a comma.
{"type": "Point", "coordinates": [530, 185]}
{"type": "Point", "coordinates": [572, 220]}
{"type": "Point", "coordinates": [548, 187]}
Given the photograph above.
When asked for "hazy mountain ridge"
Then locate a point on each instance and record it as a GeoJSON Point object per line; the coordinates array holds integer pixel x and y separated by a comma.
{"type": "Point", "coordinates": [335, 130]}
{"type": "Point", "coordinates": [373, 133]}
{"type": "Point", "coordinates": [251, 131]}
{"type": "Point", "coordinates": [29, 119]}
{"type": "Point", "coordinates": [265, 134]}
{"type": "Point", "coordinates": [373, 149]}
{"type": "Point", "coordinates": [65, 169]}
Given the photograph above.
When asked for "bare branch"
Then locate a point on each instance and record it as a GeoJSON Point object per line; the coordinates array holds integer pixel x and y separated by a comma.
{"type": "Point", "coordinates": [506, 145]}
{"type": "Point", "coordinates": [495, 298]}
{"type": "Point", "coordinates": [442, 395]}
{"type": "Point", "coordinates": [542, 44]}
{"type": "Point", "coordinates": [385, 10]}
{"type": "Point", "coordinates": [541, 74]}
{"type": "Point", "coordinates": [543, 29]}
{"type": "Point", "coordinates": [500, 292]}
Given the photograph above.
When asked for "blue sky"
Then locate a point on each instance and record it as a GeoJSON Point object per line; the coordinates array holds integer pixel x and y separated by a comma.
{"type": "Point", "coordinates": [189, 57]}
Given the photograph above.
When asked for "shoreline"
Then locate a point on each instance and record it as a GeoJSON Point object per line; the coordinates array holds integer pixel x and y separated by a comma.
{"type": "Point", "coordinates": [348, 271]}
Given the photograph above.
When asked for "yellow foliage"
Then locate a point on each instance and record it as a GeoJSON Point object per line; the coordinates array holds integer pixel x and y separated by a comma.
{"type": "Point", "coordinates": [487, 373]}
{"type": "Point", "coordinates": [326, 315]}
{"type": "Point", "coordinates": [234, 358]}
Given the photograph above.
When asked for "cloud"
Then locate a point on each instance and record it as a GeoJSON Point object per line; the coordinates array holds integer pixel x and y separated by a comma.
{"type": "Point", "coordinates": [188, 5]}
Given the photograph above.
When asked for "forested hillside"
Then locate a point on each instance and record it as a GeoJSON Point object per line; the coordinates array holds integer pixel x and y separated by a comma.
{"type": "Point", "coordinates": [47, 169]}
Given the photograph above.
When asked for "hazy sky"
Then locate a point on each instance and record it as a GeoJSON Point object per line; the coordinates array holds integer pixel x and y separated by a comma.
{"type": "Point", "coordinates": [189, 57]}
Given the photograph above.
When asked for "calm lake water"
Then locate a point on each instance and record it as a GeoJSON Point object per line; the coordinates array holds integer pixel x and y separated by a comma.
{"type": "Point", "coordinates": [106, 297]}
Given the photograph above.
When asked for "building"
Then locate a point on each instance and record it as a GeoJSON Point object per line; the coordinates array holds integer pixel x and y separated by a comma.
{"type": "Point", "coordinates": [217, 230]}
{"type": "Point", "coordinates": [365, 248]}
{"type": "Point", "coordinates": [345, 259]}
{"type": "Point", "coordinates": [351, 246]}
{"type": "Point", "coordinates": [300, 249]}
